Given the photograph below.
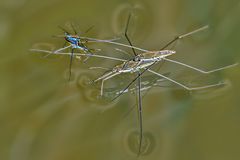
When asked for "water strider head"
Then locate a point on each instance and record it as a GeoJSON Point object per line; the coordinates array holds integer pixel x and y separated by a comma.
{"type": "Point", "coordinates": [166, 53]}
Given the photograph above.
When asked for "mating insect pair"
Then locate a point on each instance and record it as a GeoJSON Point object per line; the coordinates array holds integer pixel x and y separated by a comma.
{"type": "Point", "coordinates": [139, 64]}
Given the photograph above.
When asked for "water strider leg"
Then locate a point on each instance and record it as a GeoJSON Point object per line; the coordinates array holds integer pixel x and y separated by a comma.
{"type": "Point", "coordinates": [139, 98]}
{"type": "Point", "coordinates": [74, 30]}
{"type": "Point", "coordinates": [60, 49]}
{"type": "Point", "coordinates": [126, 35]}
{"type": "Point", "coordinates": [102, 68]}
{"type": "Point", "coordinates": [120, 44]}
{"type": "Point", "coordinates": [78, 54]}
{"type": "Point", "coordinates": [89, 54]}
{"type": "Point", "coordinates": [56, 51]}
{"type": "Point", "coordinates": [184, 86]}
{"type": "Point", "coordinates": [89, 29]}
{"type": "Point", "coordinates": [122, 51]}
{"type": "Point", "coordinates": [70, 64]}
{"type": "Point", "coordinates": [103, 76]}
{"type": "Point", "coordinates": [116, 43]}
{"type": "Point", "coordinates": [200, 70]}
{"type": "Point", "coordinates": [183, 36]}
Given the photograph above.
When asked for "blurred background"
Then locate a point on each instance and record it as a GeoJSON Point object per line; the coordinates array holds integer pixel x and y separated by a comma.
{"type": "Point", "coordinates": [43, 116]}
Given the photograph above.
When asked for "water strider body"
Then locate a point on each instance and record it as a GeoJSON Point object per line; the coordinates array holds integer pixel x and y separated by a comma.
{"type": "Point", "coordinates": [143, 60]}
{"type": "Point", "coordinates": [76, 42]}
{"type": "Point", "coordinates": [139, 62]}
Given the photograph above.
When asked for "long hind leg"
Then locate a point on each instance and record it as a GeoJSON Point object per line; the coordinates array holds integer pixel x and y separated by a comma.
{"type": "Point", "coordinates": [184, 86]}
{"type": "Point", "coordinates": [126, 35]}
{"type": "Point", "coordinates": [183, 36]}
{"type": "Point", "coordinates": [200, 70]}
{"type": "Point", "coordinates": [140, 117]}
{"type": "Point", "coordinates": [70, 64]}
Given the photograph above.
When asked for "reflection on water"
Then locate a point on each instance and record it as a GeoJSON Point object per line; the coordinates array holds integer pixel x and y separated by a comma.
{"type": "Point", "coordinates": [148, 143]}
{"type": "Point", "coordinates": [42, 116]}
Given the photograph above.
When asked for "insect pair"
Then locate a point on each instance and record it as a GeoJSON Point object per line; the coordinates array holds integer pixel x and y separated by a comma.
{"type": "Point", "coordinates": [138, 64]}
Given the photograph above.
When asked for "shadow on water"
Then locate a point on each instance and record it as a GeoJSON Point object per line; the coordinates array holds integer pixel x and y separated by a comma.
{"type": "Point", "coordinates": [42, 116]}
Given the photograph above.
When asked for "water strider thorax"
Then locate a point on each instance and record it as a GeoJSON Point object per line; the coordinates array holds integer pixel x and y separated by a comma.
{"type": "Point", "coordinates": [73, 40]}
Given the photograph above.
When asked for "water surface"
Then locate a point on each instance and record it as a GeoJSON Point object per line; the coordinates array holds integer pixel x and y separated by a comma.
{"type": "Point", "coordinates": [42, 116]}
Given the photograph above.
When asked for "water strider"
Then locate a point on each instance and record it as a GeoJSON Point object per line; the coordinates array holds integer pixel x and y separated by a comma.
{"type": "Point", "coordinates": [75, 41]}
{"type": "Point", "coordinates": [142, 62]}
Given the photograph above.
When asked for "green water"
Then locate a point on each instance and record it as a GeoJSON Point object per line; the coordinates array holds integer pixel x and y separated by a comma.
{"type": "Point", "coordinates": [42, 116]}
